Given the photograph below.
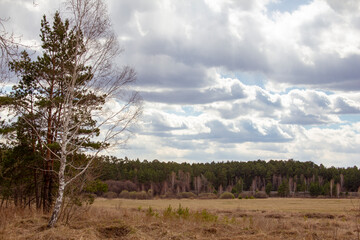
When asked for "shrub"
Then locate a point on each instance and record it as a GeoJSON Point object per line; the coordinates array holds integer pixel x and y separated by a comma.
{"type": "Point", "coordinates": [119, 186]}
{"type": "Point", "coordinates": [183, 212]}
{"type": "Point", "coordinates": [168, 195]}
{"type": "Point", "coordinates": [186, 195]}
{"type": "Point", "coordinates": [132, 195]}
{"type": "Point", "coordinates": [261, 195]}
{"type": "Point", "coordinates": [110, 195]}
{"type": "Point", "coordinates": [227, 195]}
{"type": "Point", "coordinates": [98, 187]}
{"type": "Point", "coordinates": [168, 212]}
{"type": "Point", "coordinates": [150, 193]}
{"type": "Point", "coordinates": [207, 196]}
{"type": "Point", "coordinates": [151, 213]}
{"type": "Point", "coordinates": [246, 195]}
{"type": "Point", "coordinates": [141, 195]}
{"type": "Point", "coordinates": [124, 194]}
{"type": "Point", "coordinates": [204, 215]}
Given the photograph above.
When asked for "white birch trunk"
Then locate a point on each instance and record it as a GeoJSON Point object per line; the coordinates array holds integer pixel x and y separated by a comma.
{"type": "Point", "coordinates": [59, 200]}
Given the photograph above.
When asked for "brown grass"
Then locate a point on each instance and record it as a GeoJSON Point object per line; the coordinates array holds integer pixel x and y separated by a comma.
{"type": "Point", "coordinates": [224, 219]}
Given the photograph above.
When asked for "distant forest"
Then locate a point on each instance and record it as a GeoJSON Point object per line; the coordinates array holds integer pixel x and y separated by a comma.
{"type": "Point", "coordinates": [284, 177]}
{"type": "Point", "coordinates": [22, 177]}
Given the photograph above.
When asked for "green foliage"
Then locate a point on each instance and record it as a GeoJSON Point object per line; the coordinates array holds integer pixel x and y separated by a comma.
{"type": "Point", "coordinates": [38, 100]}
{"type": "Point", "coordinates": [227, 195]}
{"type": "Point", "coordinates": [97, 187]}
{"type": "Point", "coordinates": [205, 216]}
{"type": "Point", "coordinates": [182, 212]}
{"type": "Point", "coordinates": [268, 188]}
{"type": "Point", "coordinates": [283, 189]}
{"type": "Point", "coordinates": [315, 189]}
{"type": "Point", "coordinates": [326, 189]}
{"type": "Point", "coordinates": [151, 213]}
{"type": "Point", "coordinates": [238, 188]}
{"type": "Point", "coordinates": [168, 212]}
{"type": "Point", "coordinates": [228, 220]}
{"type": "Point", "coordinates": [186, 195]}
{"type": "Point", "coordinates": [157, 172]}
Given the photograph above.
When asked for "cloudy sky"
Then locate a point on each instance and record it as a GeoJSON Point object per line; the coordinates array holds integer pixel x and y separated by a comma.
{"type": "Point", "coordinates": [235, 80]}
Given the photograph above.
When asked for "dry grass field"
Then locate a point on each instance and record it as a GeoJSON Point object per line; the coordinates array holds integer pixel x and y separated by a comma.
{"type": "Point", "coordinates": [272, 218]}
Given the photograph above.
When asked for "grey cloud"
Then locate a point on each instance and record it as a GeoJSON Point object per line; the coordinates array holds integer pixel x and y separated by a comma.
{"type": "Point", "coordinates": [211, 44]}
{"type": "Point", "coordinates": [163, 71]}
{"type": "Point", "coordinates": [248, 133]}
{"type": "Point", "coordinates": [344, 6]}
{"type": "Point", "coordinates": [195, 96]}
{"type": "Point", "coordinates": [344, 106]}
{"type": "Point", "coordinates": [159, 125]}
{"type": "Point", "coordinates": [297, 116]}
{"type": "Point", "coordinates": [262, 106]}
{"type": "Point", "coordinates": [311, 99]}
{"type": "Point", "coordinates": [308, 108]}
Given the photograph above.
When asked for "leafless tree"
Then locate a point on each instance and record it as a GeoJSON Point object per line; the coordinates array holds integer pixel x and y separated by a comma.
{"type": "Point", "coordinates": [97, 47]}
{"type": "Point", "coordinates": [8, 49]}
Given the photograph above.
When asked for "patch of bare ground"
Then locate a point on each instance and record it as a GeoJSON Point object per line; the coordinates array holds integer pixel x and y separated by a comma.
{"type": "Point", "coordinates": [178, 222]}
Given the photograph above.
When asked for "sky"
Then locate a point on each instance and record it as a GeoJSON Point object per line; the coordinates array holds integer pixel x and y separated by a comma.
{"type": "Point", "coordinates": [234, 79]}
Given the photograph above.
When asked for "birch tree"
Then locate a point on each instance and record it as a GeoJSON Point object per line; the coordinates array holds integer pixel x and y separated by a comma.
{"type": "Point", "coordinates": [8, 49]}
{"type": "Point", "coordinates": [73, 96]}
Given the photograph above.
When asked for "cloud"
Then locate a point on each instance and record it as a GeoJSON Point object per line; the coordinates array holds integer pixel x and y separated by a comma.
{"type": "Point", "coordinates": [222, 92]}
{"type": "Point", "coordinates": [227, 79]}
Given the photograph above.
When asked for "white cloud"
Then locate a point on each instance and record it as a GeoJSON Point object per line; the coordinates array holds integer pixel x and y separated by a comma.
{"type": "Point", "coordinates": [189, 56]}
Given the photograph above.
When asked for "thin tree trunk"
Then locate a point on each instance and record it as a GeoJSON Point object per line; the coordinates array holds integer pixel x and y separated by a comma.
{"type": "Point", "coordinates": [37, 199]}
{"type": "Point", "coordinates": [59, 200]}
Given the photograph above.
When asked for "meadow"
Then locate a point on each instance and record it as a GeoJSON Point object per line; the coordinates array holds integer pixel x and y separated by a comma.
{"type": "Point", "coordinates": [272, 218]}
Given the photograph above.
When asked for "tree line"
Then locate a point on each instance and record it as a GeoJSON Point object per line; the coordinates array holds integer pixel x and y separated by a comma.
{"type": "Point", "coordinates": [285, 177]}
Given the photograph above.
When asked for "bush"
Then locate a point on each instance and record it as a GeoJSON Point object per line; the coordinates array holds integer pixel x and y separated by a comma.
{"type": "Point", "coordinates": [205, 216]}
{"type": "Point", "coordinates": [110, 195]}
{"type": "Point", "coordinates": [261, 195]}
{"type": "Point", "coordinates": [124, 194]}
{"type": "Point", "coordinates": [186, 195]}
{"type": "Point", "coordinates": [207, 196]}
{"type": "Point", "coordinates": [246, 195]}
{"type": "Point", "coordinates": [227, 195]}
{"type": "Point", "coordinates": [150, 193]}
{"type": "Point", "coordinates": [132, 195]}
{"type": "Point", "coordinates": [119, 186]}
{"type": "Point", "coordinates": [168, 195]}
{"type": "Point", "coordinates": [98, 187]}
{"type": "Point", "coordinates": [141, 195]}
